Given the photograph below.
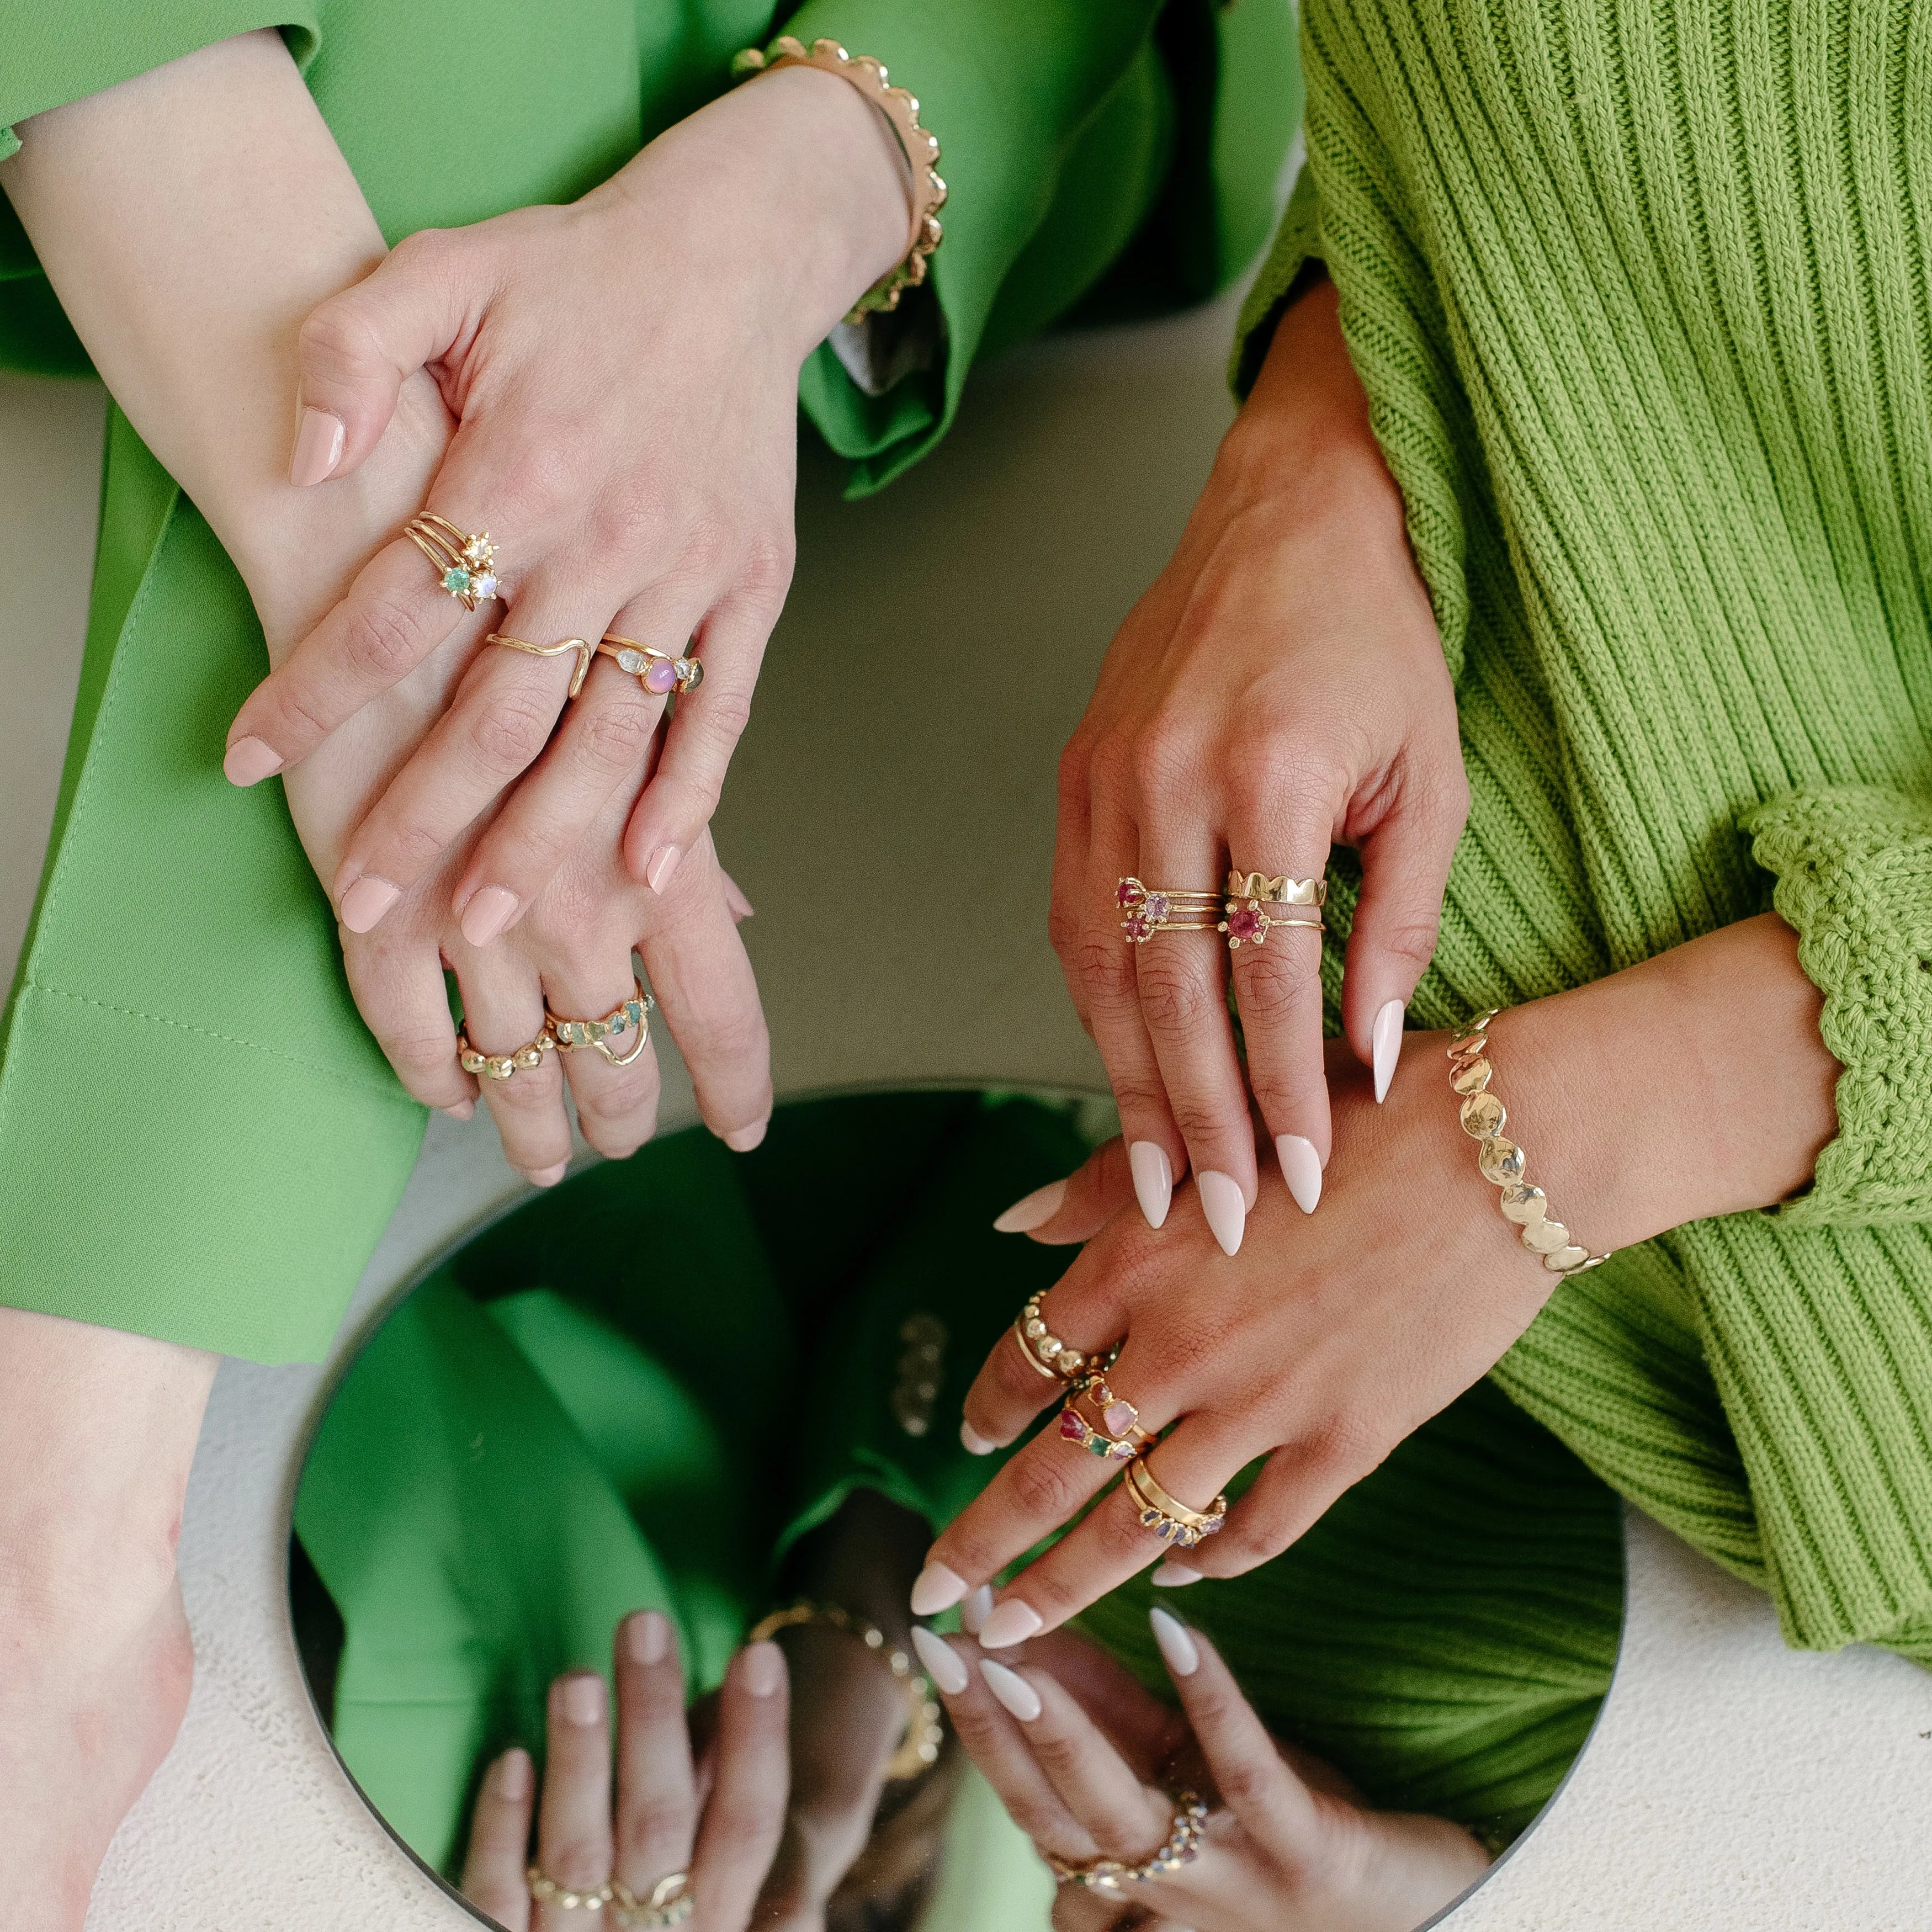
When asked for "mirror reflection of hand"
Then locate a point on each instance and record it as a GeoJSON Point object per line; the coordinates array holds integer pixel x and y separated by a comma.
{"type": "Point", "coordinates": [1088, 1765]}
{"type": "Point", "coordinates": [717, 1815]}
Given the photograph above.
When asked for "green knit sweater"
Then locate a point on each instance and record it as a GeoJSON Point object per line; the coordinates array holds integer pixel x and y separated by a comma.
{"type": "Point", "coordinates": [1639, 296]}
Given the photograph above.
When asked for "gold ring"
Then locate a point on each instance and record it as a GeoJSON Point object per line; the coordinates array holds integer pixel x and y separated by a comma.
{"type": "Point", "coordinates": [543, 1886]}
{"type": "Point", "coordinates": [1172, 1521]}
{"type": "Point", "coordinates": [671, 1902]}
{"type": "Point", "coordinates": [1281, 891]}
{"type": "Point", "coordinates": [585, 651]}
{"type": "Point", "coordinates": [1183, 1847]}
{"type": "Point", "coordinates": [1120, 1435]}
{"type": "Point", "coordinates": [570, 1035]}
{"type": "Point", "coordinates": [657, 671]}
{"type": "Point", "coordinates": [462, 561]}
{"type": "Point", "coordinates": [1153, 909]}
{"type": "Point", "coordinates": [501, 1066]}
{"type": "Point", "coordinates": [1046, 1354]}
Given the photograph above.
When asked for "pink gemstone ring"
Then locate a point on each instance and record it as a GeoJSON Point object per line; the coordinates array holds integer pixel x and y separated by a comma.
{"type": "Point", "coordinates": [1119, 1436]}
{"type": "Point", "coordinates": [657, 671]}
{"type": "Point", "coordinates": [1153, 909]}
{"type": "Point", "coordinates": [1249, 920]}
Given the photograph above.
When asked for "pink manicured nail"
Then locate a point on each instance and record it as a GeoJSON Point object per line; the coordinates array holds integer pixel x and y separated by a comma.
{"type": "Point", "coordinates": [548, 1177]}
{"type": "Point", "coordinates": [1012, 1622]}
{"type": "Point", "coordinates": [487, 914]}
{"type": "Point", "coordinates": [516, 1777]}
{"type": "Point", "coordinates": [943, 1662]}
{"type": "Point", "coordinates": [976, 1608]}
{"type": "Point", "coordinates": [1176, 1645]}
{"type": "Point", "coordinates": [740, 906]}
{"type": "Point", "coordinates": [973, 1442]}
{"type": "Point", "coordinates": [1040, 1206]}
{"type": "Point", "coordinates": [1153, 1179]}
{"type": "Point", "coordinates": [1226, 1208]}
{"type": "Point", "coordinates": [1301, 1168]}
{"type": "Point", "coordinates": [583, 1699]}
{"type": "Point", "coordinates": [461, 1111]}
{"type": "Point", "coordinates": [647, 1637]}
{"type": "Point", "coordinates": [936, 1588]}
{"type": "Point", "coordinates": [1173, 1575]}
{"type": "Point", "coordinates": [250, 760]}
{"type": "Point", "coordinates": [318, 447]}
{"type": "Point", "coordinates": [1013, 1690]}
{"type": "Point", "coordinates": [742, 1140]}
{"type": "Point", "coordinates": [366, 901]}
{"type": "Point", "coordinates": [1385, 1042]}
{"type": "Point", "coordinates": [664, 862]}
{"type": "Point", "coordinates": [763, 1669]}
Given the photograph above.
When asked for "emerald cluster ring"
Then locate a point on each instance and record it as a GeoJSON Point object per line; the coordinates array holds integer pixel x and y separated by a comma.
{"type": "Point", "coordinates": [462, 561]}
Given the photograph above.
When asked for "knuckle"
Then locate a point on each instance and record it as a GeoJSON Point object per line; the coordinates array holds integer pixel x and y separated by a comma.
{"type": "Point", "coordinates": [508, 733]}
{"type": "Point", "coordinates": [1247, 1785]}
{"type": "Point", "coordinates": [1273, 988]}
{"type": "Point", "coordinates": [1176, 998]}
{"type": "Point", "coordinates": [764, 575]}
{"type": "Point", "coordinates": [337, 339]}
{"type": "Point", "coordinates": [1163, 763]}
{"type": "Point", "coordinates": [612, 737]}
{"type": "Point", "coordinates": [1102, 962]}
{"type": "Point", "coordinates": [722, 716]}
{"type": "Point", "coordinates": [578, 1858]}
{"type": "Point", "coordinates": [383, 641]}
{"type": "Point", "coordinates": [1413, 939]}
{"type": "Point", "coordinates": [1041, 1488]}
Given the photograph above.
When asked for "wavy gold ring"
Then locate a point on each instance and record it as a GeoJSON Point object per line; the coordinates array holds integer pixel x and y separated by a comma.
{"type": "Point", "coordinates": [584, 649]}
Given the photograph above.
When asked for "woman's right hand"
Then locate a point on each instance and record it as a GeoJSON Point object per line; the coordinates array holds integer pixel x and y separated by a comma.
{"type": "Point", "coordinates": [718, 1819]}
{"type": "Point", "coordinates": [1279, 690]}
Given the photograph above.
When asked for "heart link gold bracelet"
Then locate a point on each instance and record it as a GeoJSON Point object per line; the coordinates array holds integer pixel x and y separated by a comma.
{"type": "Point", "coordinates": [1501, 1161]}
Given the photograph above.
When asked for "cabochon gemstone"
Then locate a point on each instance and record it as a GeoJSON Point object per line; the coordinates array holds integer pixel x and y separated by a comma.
{"type": "Point", "coordinates": [485, 586]}
{"type": "Point", "coordinates": [660, 676]}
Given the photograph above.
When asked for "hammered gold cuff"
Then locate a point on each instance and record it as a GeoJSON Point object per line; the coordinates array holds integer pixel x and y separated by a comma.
{"type": "Point", "coordinates": [1501, 1161]}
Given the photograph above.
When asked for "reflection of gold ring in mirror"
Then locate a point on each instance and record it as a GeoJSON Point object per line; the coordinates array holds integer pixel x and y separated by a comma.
{"type": "Point", "coordinates": [672, 1901]}
{"type": "Point", "coordinates": [570, 1035]}
{"type": "Point", "coordinates": [1117, 1434]}
{"type": "Point", "coordinates": [1183, 1848]}
{"type": "Point", "coordinates": [543, 1886]}
{"type": "Point", "coordinates": [926, 1731]}
{"type": "Point", "coordinates": [502, 1066]}
{"type": "Point", "coordinates": [1171, 1520]}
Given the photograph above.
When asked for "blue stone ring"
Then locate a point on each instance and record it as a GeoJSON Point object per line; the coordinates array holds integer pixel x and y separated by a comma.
{"type": "Point", "coordinates": [462, 562]}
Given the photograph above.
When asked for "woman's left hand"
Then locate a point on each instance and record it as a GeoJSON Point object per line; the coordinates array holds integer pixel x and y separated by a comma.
{"type": "Point", "coordinates": [625, 373]}
{"type": "Point", "coordinates": [1090, 1766]}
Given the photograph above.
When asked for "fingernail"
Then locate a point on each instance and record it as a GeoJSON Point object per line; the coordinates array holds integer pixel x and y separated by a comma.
{"type": "Point", "coordinates": [742, 1140]}
{"type": "Point", "coordinates": [583, 1699]}
{"type": "Point", "coordinates": [366, 901]}
{"type": "Point", "coordinates": [936, 1588]}
{"type": "Point", "coordinates": [976, 1610]}
{"type": "Point", "coordinates": [515, 1775]}
{"type": "Point", "coordinates": [1012, 1622]}
{"type": "Point", "coordinates": [973, 1443]}
{"type": "Point", "coordinates": [1154, 1179]}
{"type": "Point", "coordinates": [740, 905]}
{"type": "Point", "coordinates": [1301, 1168]}
{"type": "Point", "coordinates": [487, 914]}
{"type": "Point", "coordinates": [461, 1111]}
{"type": "Point", "coordinates": [1176, 1645]}
{"type": "Point", "coordinates": [1042, 1204]}
{"type": "Point", "coordinates": [663, 863]}
{"type": "Point", "coordinates": [318, 447]}
{"type": "Point", "coordinates": [1226, 1207]}
{"type": "Point", "coordinates": [1015, 1692]}
{"type": "Point", "coordinates": [1173, 1575]}
{"type": "Point", "coordinates": [647, 1637]}
{"type": "Point", "coordinates": [1385, 1038]}
{"type": "Point", "coordinates": [763, 1669]}
{"type": "Point", "coordinates": [942, 1662]}
{"type": "Point", "coordinates": [249, 760]}
{"type": "Point", "coordinates": [548, 1177]}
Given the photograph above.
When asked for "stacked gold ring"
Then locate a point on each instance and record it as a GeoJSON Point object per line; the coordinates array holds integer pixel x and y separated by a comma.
{"type": "Point", "coordinates": [657, 671]}
{"type": "Point", "coordinates": [1045, 1353]}
{"type": "Point", "coordinates": [544, 1887]}
{"type": "Point", "coordinates": [1250, 894]}
{"type": "Point", "coordinates": [585, 651]}
{"type": "Point", "coordinates": [1183, 1848]}
{"type": "Point", "coordinates": [1170, 1519]}
{"type": "Point", "coordinates": [1153, 909]}
{"type": "Point", "coordinates": [502, 1065]}
{"type": "Point", "coordinates": [671, 1902]}
{"type": "Point", "coordinates": [462, 561]}
{"type": "Point", "coordinates": [1119, 1436]}
{"type": "Point", "coordinates": [571, 1036]}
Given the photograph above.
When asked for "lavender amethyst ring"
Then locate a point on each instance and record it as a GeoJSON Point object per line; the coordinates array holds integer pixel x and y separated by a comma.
{"type": "Point", "coordinates": [1153, 909]}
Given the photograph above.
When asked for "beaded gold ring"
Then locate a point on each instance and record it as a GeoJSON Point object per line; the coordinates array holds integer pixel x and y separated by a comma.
{"type": "Point", "coordinates": [544, 1887]}
{"type": "Point", "coordinates": [1183, 1847]}
{"type": "Point", "coordinates": [502, 1065]}
{"type": "Point", "coordinates": [1045, 1353]}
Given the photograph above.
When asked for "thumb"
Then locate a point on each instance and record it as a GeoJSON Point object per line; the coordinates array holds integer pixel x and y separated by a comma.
{"type": "Point", "coordinates": [1079, 1206]}
{"type": "Point", "coordinates": [357, 348]}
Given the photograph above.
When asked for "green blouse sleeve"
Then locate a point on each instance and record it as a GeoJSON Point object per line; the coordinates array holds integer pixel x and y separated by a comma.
{"type": "Point", "coordinates": [1852, 869]}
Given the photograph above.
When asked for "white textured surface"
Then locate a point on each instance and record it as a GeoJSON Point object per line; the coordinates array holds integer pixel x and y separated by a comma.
{"type": "Point", "coordinates": [940, 643]}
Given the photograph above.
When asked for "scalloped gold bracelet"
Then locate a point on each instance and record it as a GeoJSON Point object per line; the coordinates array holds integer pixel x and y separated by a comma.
{"type": "Point", "coordinates": [922, 150]}
{"type": "Point", "coordinates": [1501, 1161]}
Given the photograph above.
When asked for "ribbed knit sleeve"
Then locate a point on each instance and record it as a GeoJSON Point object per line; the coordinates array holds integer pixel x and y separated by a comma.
{"type": "Point", "coordinates": [1853, 867]}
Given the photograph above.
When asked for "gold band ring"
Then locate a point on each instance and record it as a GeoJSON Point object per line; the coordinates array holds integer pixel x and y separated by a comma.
{"type": "Point", "coordinates": [1119, 1434]}
{"type": "Point", "coordinates": [502, 1066]}
{"type": "Point", "coordinates": [585, 651]}
{"type": "Point", "coordinates": [543, 1886]}
{"type": "Point", "coordinates": [657, 671]}
{"type": "Point", "coordinates": [1171, 1520]}
{"type": "Point", "coordinates": [1153, 909]}
{"type": "Point", "coordinates": [1047, 1353]}
{"type": "Point", "coordinates": [462, 561]}
{"type": "Point", "coordinates": [568, 1036]}
{"type": "Point", "coordinates": [671, 1902]}
{"type": "Point", "coordinates": [1183, 1847]}
{"type": "Point", "coordinates": [1280, 891]}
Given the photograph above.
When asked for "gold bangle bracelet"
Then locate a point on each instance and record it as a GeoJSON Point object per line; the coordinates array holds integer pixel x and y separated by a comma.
{"type": "Point", "coordinates": [1501, 1161]}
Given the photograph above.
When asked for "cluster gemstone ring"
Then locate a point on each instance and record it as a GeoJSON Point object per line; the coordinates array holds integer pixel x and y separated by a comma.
{"type": "Point", "coordinates": [1250, 894]}
{"type": "Point", "coordinates": [1170, 1519]}
{"type": "Point", "coordinates": [1153, 909]}
{"type": "Point", "coordinates": [463, 562]}
{"type": "Point", "coordinates": [570, 1036]}
{"type": "Point", "coordinates": [1114, 1431]}
{"type": "Point", "coordinates": [657, 671]}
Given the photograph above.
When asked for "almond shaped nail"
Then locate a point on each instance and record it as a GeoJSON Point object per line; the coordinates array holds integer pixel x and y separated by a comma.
{"type": "Point", "coordinates": [1301, 1168]}
{"type": "Point", "coordinates": [1012, 1622]}
{"type": "Point", "coordinates": [318, 447]}
{"type": "Point", "coordinates": [1154, 1179]}
{"type": "Point", "coordinates": [1226, 1208]}
{"type": "Point", "coordinates": [1012, 1690]}
{"type": "Point", "coordinates": [1177, 1646]}
{"type": "Point", "coordinates": [1385, 1045]}
{"type": "Point", "coordinates": [936, 1588]}
{"type": "Point", "coordinates": [943, 1664]}
{"type": "Point", "coordinates": [1032, 1210]}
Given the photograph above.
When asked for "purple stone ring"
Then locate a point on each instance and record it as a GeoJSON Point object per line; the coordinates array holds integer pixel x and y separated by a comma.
{"type": "Point", "coordinates": [1153, 909]}
{"type": "Point", "coordinates": [657, 671]}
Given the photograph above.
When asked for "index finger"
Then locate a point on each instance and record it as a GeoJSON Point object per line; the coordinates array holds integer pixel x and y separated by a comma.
{"type": "Point", "coordinates": [744, 1814]}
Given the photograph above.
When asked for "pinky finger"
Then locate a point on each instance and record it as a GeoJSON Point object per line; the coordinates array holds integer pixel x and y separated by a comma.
{"type": "Point", "coordinates": [500, 1839]}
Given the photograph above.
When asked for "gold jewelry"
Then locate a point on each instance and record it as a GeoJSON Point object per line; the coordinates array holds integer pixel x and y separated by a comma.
{"type": "Point", "coordinates": [1153, 909]}
{"type": "Point", "coordinates": [462, 561]}
{"type": "Point", "coordinates": [568, 1036]}
{"type": "Point", "coordinates": [1282, 891]}
{"type": "Point", "coordinates": [1183, 1847]}
{"type": "Point", "coordinates": [1501, 1161]}
{"type": "Point", "coordinates": [922, 150]}
{"type": "Point", "coordinates": [672, 1901]}
{"type": "Point", "coordinates": [1120, 1435]}
{"type": "Point", "coordinates": [657, 671]}
{"type": "Point", "coordinates": [1047, 1353]}
{"type": "Point", "coordinates": [542, 1886]}
{"type": "Point", "coordinates": [925, 1731]}
{"type": "Point", "coordinates": [501, 1066]}
{"type": "Point", "coordinates": [585, 651]}
{"type": "Point", "coordinates": [1173, 1521]}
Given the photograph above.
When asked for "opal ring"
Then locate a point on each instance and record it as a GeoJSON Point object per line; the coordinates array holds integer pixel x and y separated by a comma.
{"type": "Point", "coordinates": [1118, 1434]}
{"type": "Point", "coordinates": [1250, 894]}
{"type": "Point", "coordinates": [657, 671]}
{"type": "Point", "coordinates": [1153, 909]}
{"type": "Point", "coordinates": [1173, 1521]}
{"type": "Point", "coordinates": [502, 1066]}
{"type": "Point", "coordinates": [462, 561]}
{"type": "Point", "coordinates": [568, 1036]}
{"type": "Point", "coordinates": [585, 651]}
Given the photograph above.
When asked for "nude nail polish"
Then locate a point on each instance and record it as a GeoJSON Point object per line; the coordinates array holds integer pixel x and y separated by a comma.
{"type": "Point", "coordinates": [488, 913]}
{"type": "Point", "coordinates": [583, 1699]}
{"type": "Point", "coordinates": [647, 1637]}
{"type": "Point", "coordinates": [973, 1442]}
{"type": "Point", "coordinates": [548, 1177]}
{"type": "Point", "coordinates": [1301, 1168]}
{"type": "Point", "coordinates": [516, 1777]}
{"type": "Point", "coordinates": [318, 447]}
{"type": "Point", "coordinates": [742, 1140]}
{"type": "Point", "coordinates": [461, 1111]}
{"type": "Point", "coordinates": [663, 863]}
{"type": "Point", "coordinates": [249, 760]}
{"type": "Point", "coordinates": [1154, 1179]}
{"type": "Point", "coordinates": [1012, 1622]}
{"type": "Point", "coordinates": [943, 1662]}
{"type": "Point", "coordinates": [1033, 1210]}
{"type": "Point", "coordinates": [976, 1607]}
{"type": "Point", "coordinates": [1226, 1208]}
{"type": "Point", "coordinates": [763, 1668]}
{"type": "Point", "coordinates": [1013, 1690]}
{"type": "Point", "coordinates": [1176, 1645]}
{"type": "Point", "coordinates": [936, 1588]}
{"type": "Point", "coordinates": [1173, 1575]}
{"type": "Point", "coordinates": [365, 902]}
{"type": "Point", "coordinates": [1385, 1044]}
